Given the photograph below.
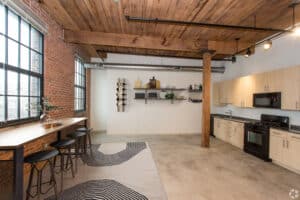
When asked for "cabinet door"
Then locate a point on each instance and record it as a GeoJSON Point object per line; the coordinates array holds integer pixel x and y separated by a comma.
{"type": "Point", "coordinates": [277, 145]}
{"type": "Point", "coordinates": [293, 145]}
{"type": "Point", "coordinates": [291, 90]}
{"type": "Point", "coordinates": [275, 80]}
{"type": "Point", "coordinates": [216, 100]}
{"type": "Point", "coordinates": [225, 92]}
{"type": "Point", "coordinates": [217, 127]}
{"type": "Point", "coordinates": [237, 138]}
{"type": "Point", "coordinates": [260, 82]}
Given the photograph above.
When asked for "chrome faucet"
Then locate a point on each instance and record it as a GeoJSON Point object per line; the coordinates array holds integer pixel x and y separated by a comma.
{"type": "Point", "coordinates": [229, 112]}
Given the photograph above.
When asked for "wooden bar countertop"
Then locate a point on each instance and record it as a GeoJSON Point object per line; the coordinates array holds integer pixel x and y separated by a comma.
{"type": "Point", "coordinates": [13, 137]}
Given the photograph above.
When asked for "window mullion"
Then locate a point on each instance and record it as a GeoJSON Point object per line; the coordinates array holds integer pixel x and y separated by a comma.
{"type": "Point", "coordinates": [5, 64]}
{"type": "Point", "coordinates": [29, 76]}
{"type": "Point", "coordinates": [19, 65]}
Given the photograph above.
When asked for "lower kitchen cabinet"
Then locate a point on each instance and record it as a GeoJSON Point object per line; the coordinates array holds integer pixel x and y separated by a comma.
{"type": "Point", "coordinates": [285, 148]}
{"type": "Point", "coordinates": [229, 131]}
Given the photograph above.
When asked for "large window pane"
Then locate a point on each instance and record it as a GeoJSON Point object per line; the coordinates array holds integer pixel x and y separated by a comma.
{"type": "Point", "coordinates": [24, 107]}
{"type": "Point", "coordinates": [13, 25]}
{"type": "Point", "coordinates": [2, 49]}
{"type": "Point", "coordinates": [2, 81]}
{"type": "Point", "coordinates": [2, 19]}
{"type": "Point", "coordinates": [2, 109]}
{"type": "Point", "coordinates": [36, 62]}
{"type": "Point", "coordinates": [36, 40]}
{"type": "Point", "coordinates": [34, 104]}
{"type": "Point", "coordinates": [12, 83]}
{"type": "Point", "coordinates": [24, 84]}
{"type": "Point", "coordinates": [24, 58]}
{"type": "Point", "coordinates": [34, 86]}
{"type": "Point", "coordinates": [24, 33]}
{"type": "Point", "coordinates": [13, 53]}
{"type": "Point", "coordinates": [12, 108]}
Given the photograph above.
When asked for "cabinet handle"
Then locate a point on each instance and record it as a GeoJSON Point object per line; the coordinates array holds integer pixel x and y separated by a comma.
{"type": "Point", "coordinates": [296, 104]}
{"type": "Point", "coordinates": [287, 144]}
{"type": "Point", "coordinates": [283, 143]}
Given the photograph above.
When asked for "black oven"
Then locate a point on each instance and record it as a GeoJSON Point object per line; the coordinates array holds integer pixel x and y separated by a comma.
{"type": "Point", "coordinates": [267, 100]}
{"type": "Point", "coordinates": [257, 141]}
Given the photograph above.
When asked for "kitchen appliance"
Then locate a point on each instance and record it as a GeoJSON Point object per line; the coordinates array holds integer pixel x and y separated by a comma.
{"type": "Point", "coordinates": [257, 134]}
{"type": "Point", "coordinates": [267, 100]}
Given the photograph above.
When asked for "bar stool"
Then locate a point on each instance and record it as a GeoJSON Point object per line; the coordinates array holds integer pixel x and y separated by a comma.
{"type": "Point", "coordinates": [88, 132]}
{"type": "Point", "coordinates": [64, 147]}
{"type": "Point", "coordinates": [34, 160]}
{"type": "Point", "coordinates": [80, 145]}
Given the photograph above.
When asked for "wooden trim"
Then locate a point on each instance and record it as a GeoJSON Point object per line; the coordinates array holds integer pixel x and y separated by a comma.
{"type": "Point", "coordinates": [150, 42]}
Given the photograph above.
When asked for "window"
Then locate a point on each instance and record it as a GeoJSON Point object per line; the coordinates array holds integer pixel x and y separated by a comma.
{"type": "Point", "coordinates": [79, 103]}
{"type": "Point", "coordinates": [21, 68]}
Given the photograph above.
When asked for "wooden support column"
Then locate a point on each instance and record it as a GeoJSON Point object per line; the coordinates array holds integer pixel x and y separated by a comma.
{"type": "Point", "coordinates": [206, 77]}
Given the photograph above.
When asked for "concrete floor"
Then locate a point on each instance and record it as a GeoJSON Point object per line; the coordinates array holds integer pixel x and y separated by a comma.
{"type": "Point", "coordinates": [189, 172]}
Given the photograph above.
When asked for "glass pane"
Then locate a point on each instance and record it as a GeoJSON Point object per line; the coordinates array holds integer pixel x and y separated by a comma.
{"type": "Point", "coordinates": [24, 33]}
{"type": "Point", "coordinates": [36, 40]}
{"type": "Point", "coordinates": [12, 108]}
{"type": "Point", "coordinates": [12, 83]}
{"type": "Point", "coordinates": [24, 60]}
{"type": "Point", "coordinates": [24, 81]}
{"type": "Point", "coordinates": [13, 26]}
{"type": "Point", "coordinates": [36, 62]}
{"type": "Point", "coordinates": [2, 81]}
{"type": "Point", "coordinates": [2, 109]}
{"type": "Point", "coordinates": [2, 19]}
{"type": "Point", "coordinates": [34, 104]}
{"type": "Point", "coordinates": [34, 86]}
{"type": "Point", "coordinates": [24, 107]}
{"type": "Point", "coordinates": [13, 53]}
{"type": "Point", "coordinates": [2, 49]}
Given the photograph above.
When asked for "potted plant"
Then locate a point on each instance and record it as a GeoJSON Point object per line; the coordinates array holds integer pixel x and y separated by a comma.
{"type": "Point", "coordinates": [45, 108]}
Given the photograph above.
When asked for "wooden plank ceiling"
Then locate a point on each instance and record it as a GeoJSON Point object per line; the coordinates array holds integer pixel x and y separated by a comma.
{"type": "Point", "coordinates": [84, 17]}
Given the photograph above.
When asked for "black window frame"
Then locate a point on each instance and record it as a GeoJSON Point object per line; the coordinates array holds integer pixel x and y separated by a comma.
{"type": "Point", "coordinates": [83, 87]}
{"type": "Point", "coordinates": [6, 67]}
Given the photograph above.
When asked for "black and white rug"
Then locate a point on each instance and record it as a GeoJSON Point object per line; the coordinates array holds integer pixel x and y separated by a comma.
{"type": "Point", "coordinates": [99, 190]}
{"type": "Point", "coordinates": [100, 159]}
{"type": "Point", "coordinates": [117, 171]}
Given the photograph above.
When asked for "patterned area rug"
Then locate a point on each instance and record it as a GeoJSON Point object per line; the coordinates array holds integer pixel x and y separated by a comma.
{"type": "Point", "coordinates": [100, 189]}
{"type": "Point", "coordinates": [99, 159]}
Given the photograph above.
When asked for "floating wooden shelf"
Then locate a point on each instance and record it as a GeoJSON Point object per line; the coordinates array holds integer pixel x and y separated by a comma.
{"type": "Point", "coordinates": [162, 89]}
{"type": "Point", "coordinates": [195, 91]}
{"type": "Point", "coordinates": [159, 99]}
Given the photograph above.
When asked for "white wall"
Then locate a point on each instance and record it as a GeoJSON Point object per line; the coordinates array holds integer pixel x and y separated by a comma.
{"type": "Point", "coordinates": [285, 52]}
{"type": "Point", "coordinates": [156, 117]}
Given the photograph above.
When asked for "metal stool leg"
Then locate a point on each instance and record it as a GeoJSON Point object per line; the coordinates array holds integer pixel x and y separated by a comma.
{"type": "Point", "coordinates": [53, 177]}
{"type": "Point", "coordinates": [62, 162]}
{"type": "Point", "coordinates": [28, 190]}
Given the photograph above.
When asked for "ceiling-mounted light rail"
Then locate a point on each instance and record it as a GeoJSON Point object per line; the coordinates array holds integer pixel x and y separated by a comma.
{"type": "Point", "coordinates": [151, 67]}
{"type": "Point", "coordinates": [210, 25]}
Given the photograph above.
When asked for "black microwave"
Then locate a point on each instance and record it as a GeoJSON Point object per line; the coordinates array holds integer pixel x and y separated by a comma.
{"type": "Point", "coordinates": [267, 100]}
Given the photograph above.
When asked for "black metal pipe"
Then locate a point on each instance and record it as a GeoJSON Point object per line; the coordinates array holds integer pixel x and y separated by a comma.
{"type": "Point", "coordinates": [223, 26]}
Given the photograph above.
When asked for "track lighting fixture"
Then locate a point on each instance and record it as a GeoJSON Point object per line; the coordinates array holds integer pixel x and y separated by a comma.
{"type": "Point", "coordinates": [248, 53]}
{"type": "Point", "coordinates": [267, 45]}
{"type": "Point", "coordinates": [296, 29]}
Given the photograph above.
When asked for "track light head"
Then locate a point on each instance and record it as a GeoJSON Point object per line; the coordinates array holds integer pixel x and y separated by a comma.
{"type": "Point", "coordinates": [233, 59]}
{"type": "Point", "coordinates": [296, 31]}
{"type": "Point", "coordinates": [248, 53]}
{"type": "Point", "coordinates": [267, 45]}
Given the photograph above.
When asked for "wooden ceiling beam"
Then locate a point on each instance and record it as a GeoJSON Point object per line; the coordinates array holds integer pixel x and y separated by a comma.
{"type": "Point", "coordinates": [150, 42]}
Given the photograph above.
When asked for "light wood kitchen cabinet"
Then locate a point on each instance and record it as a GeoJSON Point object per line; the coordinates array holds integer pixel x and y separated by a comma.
{"type": "Point", "coordinates": [285, 148]}
{"type": "Point", "coordinates": [237, 134]}
{"type": "Point", "coordinates": [229, 131]}
{"type": "Point", "coordinates": [226, 92]}
{"type": "Point", "coordinates": [290, 94]}
{"type": "Point", "coordinates": [243, 92]}
{"type": "Point", "coordinates": [293, 146]}
{"type": "Point", "coordinates": [239, 92]}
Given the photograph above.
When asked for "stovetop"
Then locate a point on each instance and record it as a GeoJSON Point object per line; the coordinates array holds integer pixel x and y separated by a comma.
{"type": "Point", "coordinates": [272, 121]}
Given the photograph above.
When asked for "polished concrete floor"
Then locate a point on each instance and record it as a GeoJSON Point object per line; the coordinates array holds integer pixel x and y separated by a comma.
{"type": "Point", "coordinates": [189, 172]}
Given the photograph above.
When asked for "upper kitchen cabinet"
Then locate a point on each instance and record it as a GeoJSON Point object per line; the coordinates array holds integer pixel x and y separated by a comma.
{"type": "Point", "coordinates": [226, 92]}
{"type": "Point", "coordinates": [243, 91]}
{"type": "Point", "coordinates": [267, 82]}
{"type": "Point", "coordinates": [290, 95]}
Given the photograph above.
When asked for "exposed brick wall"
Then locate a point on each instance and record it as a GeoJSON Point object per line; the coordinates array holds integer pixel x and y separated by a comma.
{"type": "Point", "coordinates": [58, 79]}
